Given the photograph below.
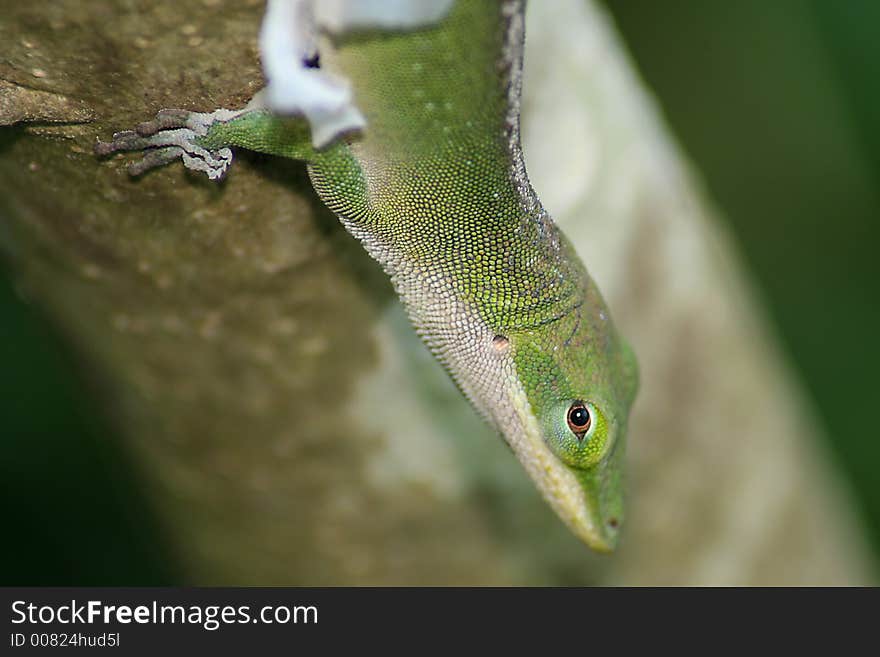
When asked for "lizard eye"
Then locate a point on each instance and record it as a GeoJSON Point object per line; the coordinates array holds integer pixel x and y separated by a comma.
{"type": "Point", "coordinates": [581, 439]}
{"type": "Point", "coordinates": [579, 419]}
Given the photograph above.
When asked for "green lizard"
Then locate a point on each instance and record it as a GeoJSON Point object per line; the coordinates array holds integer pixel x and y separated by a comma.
{"type": "Point", "coordinates": [435, 188]}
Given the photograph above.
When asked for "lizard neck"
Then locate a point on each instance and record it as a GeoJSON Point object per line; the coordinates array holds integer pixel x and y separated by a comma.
{"type": "Point", "coordinates": [446, 194]}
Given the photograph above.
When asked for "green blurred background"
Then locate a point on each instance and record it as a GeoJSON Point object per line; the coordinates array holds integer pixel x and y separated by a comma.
{"type": "Point", "coordinates": [776, 103]}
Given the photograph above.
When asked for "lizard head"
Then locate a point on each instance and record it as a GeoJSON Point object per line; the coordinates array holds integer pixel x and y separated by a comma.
{"type": "Point", "coordinates": [577, 380]}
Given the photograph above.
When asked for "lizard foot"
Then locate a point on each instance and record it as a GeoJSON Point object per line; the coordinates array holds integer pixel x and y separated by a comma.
{"type": "Point", "coordinates": [173, 134]}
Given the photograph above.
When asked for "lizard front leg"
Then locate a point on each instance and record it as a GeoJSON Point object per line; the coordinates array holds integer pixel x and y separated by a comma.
{"type": "Point", "coordinates": [174, 134]}
{"type": "Point", "coordinates": [204, 141]}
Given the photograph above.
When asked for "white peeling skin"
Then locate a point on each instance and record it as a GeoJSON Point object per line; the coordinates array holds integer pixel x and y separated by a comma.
{"type": "Point", "coordinates": [287, 38]}
{"type": "Point", "coordinates": [341, 15]}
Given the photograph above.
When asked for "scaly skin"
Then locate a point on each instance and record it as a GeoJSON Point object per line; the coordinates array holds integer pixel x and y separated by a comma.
{"type": "Point", "coordinates": [436, 190]}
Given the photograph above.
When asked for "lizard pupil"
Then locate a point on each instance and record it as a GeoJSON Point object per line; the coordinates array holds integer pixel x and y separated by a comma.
{"type": "Point", "coordinates": [579, 419]}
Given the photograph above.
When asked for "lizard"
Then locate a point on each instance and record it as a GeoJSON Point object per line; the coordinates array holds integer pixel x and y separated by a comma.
{"type": "Point", "coordinates": [434, 186]}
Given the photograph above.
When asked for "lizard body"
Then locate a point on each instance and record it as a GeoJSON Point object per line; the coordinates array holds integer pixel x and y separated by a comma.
{"type": "Point", "coordinates": [436, 190]}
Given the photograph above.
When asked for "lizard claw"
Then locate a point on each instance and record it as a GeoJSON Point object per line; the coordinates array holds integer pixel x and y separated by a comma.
{"type": "Point", "coordinates": [166, 119]}
{"type": "Point", "coordinates": [173, 134]}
